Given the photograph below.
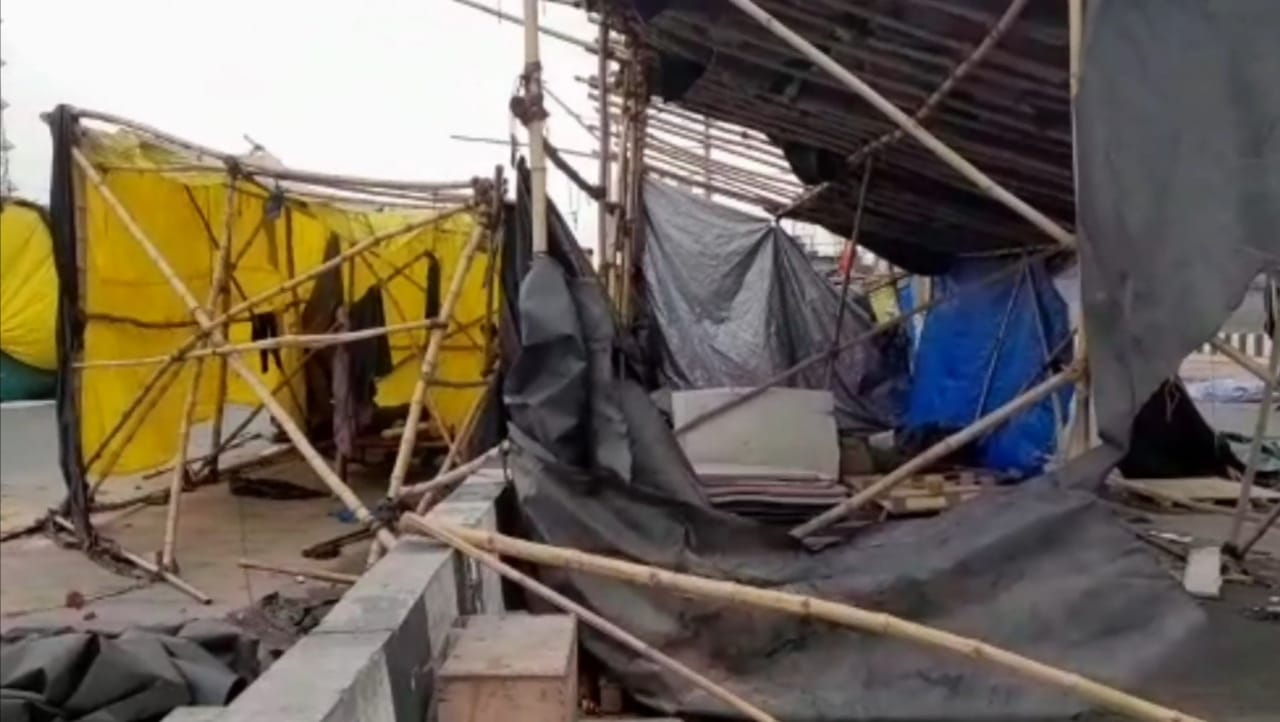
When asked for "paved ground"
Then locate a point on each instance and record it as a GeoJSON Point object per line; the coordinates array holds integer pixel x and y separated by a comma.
{"type": "Point", "coordinates": [216, 530]}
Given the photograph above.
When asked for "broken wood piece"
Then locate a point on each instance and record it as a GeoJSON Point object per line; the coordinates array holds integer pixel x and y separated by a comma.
{"type": "Point", "coordinates": [323, 575]}
{"type": "Point", "coordinates": [1202, 488]}
{"type": "Point", "coordinates": [1154, 492]}
{"type": "Point", "coordinates": [799, 605]}
{"type": "Point", "coordinates": [1202, 576]}
{"type": "Point", "coordinates": [447, 533]}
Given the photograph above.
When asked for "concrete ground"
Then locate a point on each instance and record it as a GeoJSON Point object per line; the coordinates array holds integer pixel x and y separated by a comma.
{"type": "Point", "coordinates": [216, 529]}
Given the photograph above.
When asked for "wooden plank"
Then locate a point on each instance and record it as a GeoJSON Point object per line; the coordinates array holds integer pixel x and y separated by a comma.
{"type": "Point", "coordinates": [1203, 488]}
{"type": "Point", "coordinates": [514, 662]}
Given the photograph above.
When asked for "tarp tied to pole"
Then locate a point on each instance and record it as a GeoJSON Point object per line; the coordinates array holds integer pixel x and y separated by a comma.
{"type": "Point", "coordinates": [131, 312]}
{"type": "Point", "coordinates": [736, 301]}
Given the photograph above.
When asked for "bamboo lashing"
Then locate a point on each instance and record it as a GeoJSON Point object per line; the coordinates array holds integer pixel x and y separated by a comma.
{"type": "Point", "coordinates": [909, 125]}
{"type": "Point", "coordinates": [802, 606]}
{"type": "Point", "coordinates": [209, 327]}
{"type": "Point", "coordinates": [446, 533]}
{"type": "Point", "coordinates": [323, 575]}
{"type": "Point", "coordinates": [217, 288]}
{"type": "Point", "coordinates": [938, 451]}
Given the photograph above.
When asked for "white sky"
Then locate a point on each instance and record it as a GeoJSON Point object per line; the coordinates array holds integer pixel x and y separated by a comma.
{"type": "Point", "coordinates": [371, 89]}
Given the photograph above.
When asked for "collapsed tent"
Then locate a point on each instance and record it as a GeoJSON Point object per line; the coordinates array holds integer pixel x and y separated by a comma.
{"type": "Point", "coordinates": [1099, 603]}
{"type": "Point", "coordinates": [28, 302]}
{"type": "Point", "coordinates": [735, 300]}
{"type": "Point", "coordinates": [121, 322]}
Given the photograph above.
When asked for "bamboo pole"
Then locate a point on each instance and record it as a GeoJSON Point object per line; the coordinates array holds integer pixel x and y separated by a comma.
{"type": "Point", "coordinates": [1258, 533]}
{"type": "Point", "coordinates": [1240, 358]}
{"type": "Point", "coordinates": [447, 534]}
{"type": "Point", "coordinates": [209, 327]}
{"type": "Point", "coordinates": [605, 140]}
{"type": "Point", "coordinates": [938, 451]}
{"type": "Point", "coordinates": [149, 567]}
{"type": "Point", "coordinates": [536, 125]}
{"type": "Point", "coordinates": [1081, 434]}
{"type": "Point", "coordinates": [1255, 444]}
{"type": "Point", "coordinates": [445, 479]}
{"type": "Point", "coordinates": [851, 248]}
{"type": "Point", "coordinates": [805, 607]}
{"type": "Point", "coordinates": [308, 341]}
{"type": "Point", "coordinates": [323, 575]}
{"type": "Point", "coordinates": [909, 125]}
{"type": "Point", "coordinates": [430, 357]}
{"type": "Point", "coordinates": [219, 293]}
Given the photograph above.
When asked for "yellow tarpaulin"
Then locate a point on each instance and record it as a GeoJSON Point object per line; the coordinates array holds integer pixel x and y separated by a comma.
{"type": "Point", "coordinates": [28, 287]}
{"type": "Point", "coordinates": [132, 312]}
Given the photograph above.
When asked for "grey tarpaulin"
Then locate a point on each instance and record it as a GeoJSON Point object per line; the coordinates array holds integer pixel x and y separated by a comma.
{"type": "Point", "coordinates": [735, 301]}
{"type": "Point", "coordinates": [1039, 569]}
{"type": "Point", "coordinates": [136, 676]}
{"type": "Point", "coordinates": [1179, 190]}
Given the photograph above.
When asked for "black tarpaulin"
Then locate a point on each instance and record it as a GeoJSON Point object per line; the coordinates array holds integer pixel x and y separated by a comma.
{"type": "Point", "coordinates": [736, 301]}
{"type": "Point", "coordinates": [136, 676]}
{"type": "Point", "coordinates": [1039, 569]}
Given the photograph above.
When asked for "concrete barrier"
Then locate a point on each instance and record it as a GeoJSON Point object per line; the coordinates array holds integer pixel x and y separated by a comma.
{"type": "Point", "coordinates": [373, 657]}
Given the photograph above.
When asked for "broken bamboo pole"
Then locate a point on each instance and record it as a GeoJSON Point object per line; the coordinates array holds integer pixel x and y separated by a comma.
{"type": "Point", "coordinates": [323, 575]}
{"type": "Point", "coordinates": [447, 478]}
{"type": "Point", "coordinates": [1240, 358]}
{"type": "Point", "coordinates": [944, 152]}
{"type": "Point", "coordinates": [446, 533]}
{"type": "Point", "coordinates": [1255, 444]}
{"type": "Point", "coordinates": [147, 566]}
{"type": "Point", "coordinates": [209, 328]}
{"type": "Point", "coordinates": [938, 451]}
{"type": "Point", "coordinates": [805, 607]}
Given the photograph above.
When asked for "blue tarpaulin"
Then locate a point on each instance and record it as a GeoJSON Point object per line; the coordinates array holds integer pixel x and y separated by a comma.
{"type": "Point", "coordinates": [990, 344]}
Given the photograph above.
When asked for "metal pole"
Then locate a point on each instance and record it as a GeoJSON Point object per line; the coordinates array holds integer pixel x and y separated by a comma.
{"type": "Point", "coordinates": [908, 124]}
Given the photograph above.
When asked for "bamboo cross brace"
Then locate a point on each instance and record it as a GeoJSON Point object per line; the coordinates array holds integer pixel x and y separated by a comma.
{"type": "Point", "coordinates": [217, 292]}
{"type": "Point", "coordinates": [1255, 444]}
{"type": "Point", "coordinates": [447, 533]}
{"type": "Point", "coordinates": [209, 327]}
{"type": "Point", "coordinates": [805, 607]}
{"type": "Point", "coordinates": [429, 359]}
{"type": "Point", "coordinates": [938, 451]}
{"type": "Point", "coordinates": [157, 379]}
{"type": "Point", "coordinates": [909, 125]}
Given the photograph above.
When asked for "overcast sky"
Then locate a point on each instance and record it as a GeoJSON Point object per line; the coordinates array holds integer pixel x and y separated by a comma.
{"type": "Point", "coordinates": [373, 89]}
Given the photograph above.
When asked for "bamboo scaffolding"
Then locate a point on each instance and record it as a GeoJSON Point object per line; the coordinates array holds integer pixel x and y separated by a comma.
{"type": "Point", "coordinates": [1080, 436]}
{"type": "Point", "coordinates": [446, 534]}
{"type": "Point", "coordinates": [210, 328]}
{"type": "Point", "coordinates": [962, 69]}
{"type": "Point", "coordinates": [1255, 444]}
{"type": "Point", "coordinates": [938, 451]}
{"type": "Point", "coordinates": [605, 139]}
{"type": "Point", "coordinates": [1240, 358]}
{"type": "Point", "coordinates": [535, 121]}
{"type": "Point", "coordinates": [549, 32]}
{"type": "Point", "coordinates": [799, 605]}
{"type": "Point", "coordinates": [909, 125]}
{"type": "Point", "coordinates": [323, 575]}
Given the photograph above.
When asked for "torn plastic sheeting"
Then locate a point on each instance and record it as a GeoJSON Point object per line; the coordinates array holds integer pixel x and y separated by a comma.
{"type": "Point", "coordinates": [735, 301]}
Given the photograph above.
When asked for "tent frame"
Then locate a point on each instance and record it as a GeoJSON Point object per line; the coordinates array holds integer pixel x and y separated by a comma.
{"type": "Point", "coordinates": [480, 196]}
